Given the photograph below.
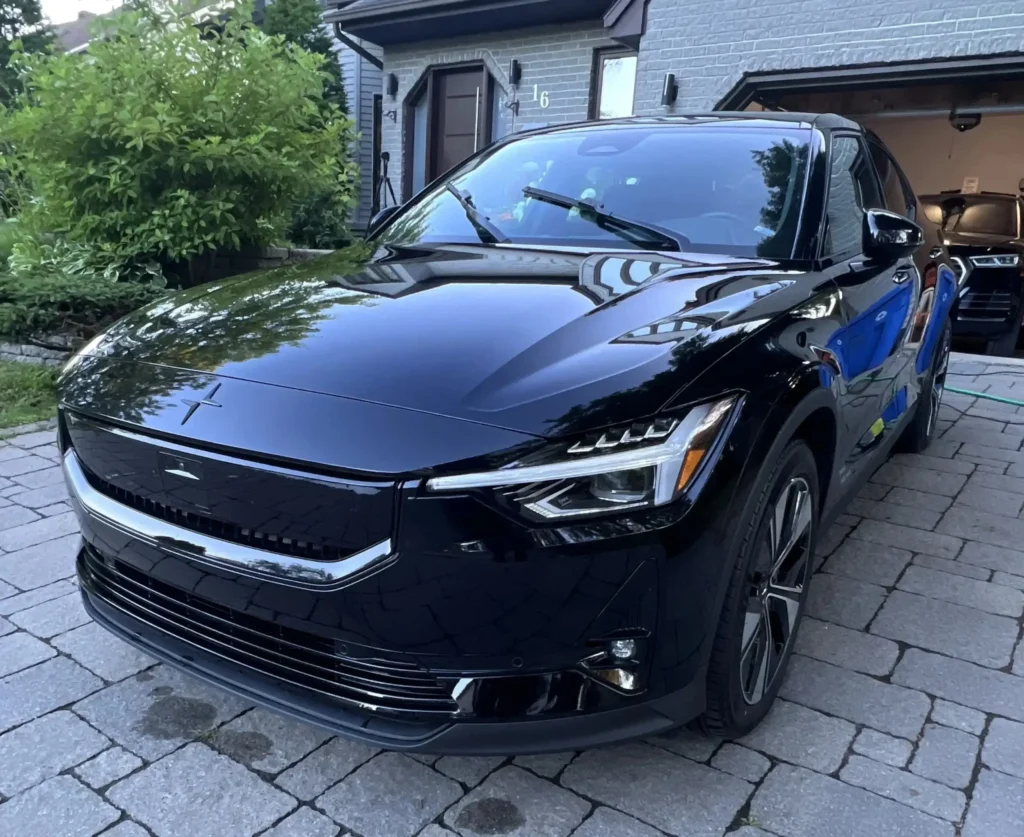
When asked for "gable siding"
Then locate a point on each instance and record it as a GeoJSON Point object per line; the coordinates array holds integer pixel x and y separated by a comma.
{"type": "Point", "coordinates": [361, 81]}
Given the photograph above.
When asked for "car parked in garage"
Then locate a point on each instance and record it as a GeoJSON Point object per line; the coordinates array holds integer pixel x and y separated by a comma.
{"type": "Point", "coordinates": [982, 232]}
{"type": "Point", "coordinates": [547, 472]}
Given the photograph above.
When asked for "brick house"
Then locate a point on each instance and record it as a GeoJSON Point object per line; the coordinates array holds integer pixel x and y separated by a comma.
{"type": "Point", "coordinates": [458, 74]}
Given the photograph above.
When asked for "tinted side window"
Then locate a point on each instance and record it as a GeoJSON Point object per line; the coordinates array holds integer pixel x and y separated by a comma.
{"type": "Point", "coordinates": [851, 188]}
{"type": "Point", "coordinates": [898, 197]}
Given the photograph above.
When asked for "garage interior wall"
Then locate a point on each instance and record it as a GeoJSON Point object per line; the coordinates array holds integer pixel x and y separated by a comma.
{"type": "Point", "coordinates": [937, 157]}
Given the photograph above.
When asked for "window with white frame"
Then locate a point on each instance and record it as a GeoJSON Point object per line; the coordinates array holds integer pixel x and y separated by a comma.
{"type": "Point", "coordinates": [614, 83]}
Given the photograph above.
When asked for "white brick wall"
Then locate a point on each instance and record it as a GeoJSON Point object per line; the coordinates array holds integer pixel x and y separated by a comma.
{"type": "Point", "coordinates": [557, 59]}
{"type": "Point", "coordinates": [710, 44]}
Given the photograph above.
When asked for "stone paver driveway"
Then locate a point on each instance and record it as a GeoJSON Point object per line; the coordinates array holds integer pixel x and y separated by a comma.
{"type": "Point", "coordinates": [903, 713]}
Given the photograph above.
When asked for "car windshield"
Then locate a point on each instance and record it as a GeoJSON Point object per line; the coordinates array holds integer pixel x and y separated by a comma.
{"type": "Point", "coordinates": [715, 188]}
{"type": "Point", "coordinates": [983, 214]}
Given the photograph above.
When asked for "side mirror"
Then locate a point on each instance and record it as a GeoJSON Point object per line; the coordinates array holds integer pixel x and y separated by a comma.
{"type": "Point", "coordinates": [888, 236]}
{"type": "Point", "coordinates": [380, 219]}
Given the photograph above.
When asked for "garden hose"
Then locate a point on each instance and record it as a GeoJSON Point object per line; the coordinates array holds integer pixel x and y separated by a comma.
{"type": "Point", "coordinates": [998, 398]}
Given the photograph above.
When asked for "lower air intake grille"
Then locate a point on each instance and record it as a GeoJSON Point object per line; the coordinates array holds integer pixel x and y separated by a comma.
{"type": "Point", "coordinates": [995, 305]}
{"type": "Point", "coordinates": [305, 660]}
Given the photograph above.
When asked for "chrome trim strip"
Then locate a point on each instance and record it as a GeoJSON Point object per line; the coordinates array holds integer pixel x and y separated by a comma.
{"type": "Point", "coordinates": [245, 560]}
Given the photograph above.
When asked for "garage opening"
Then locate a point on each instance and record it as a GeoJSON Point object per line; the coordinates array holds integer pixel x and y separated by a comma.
{"type": "Point", "coordinates": [957, 129]}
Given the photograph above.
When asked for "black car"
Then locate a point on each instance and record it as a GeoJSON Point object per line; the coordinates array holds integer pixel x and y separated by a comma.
{"type": "Point", "coordinates": [982, 232]}
{"type": "Point", "coordinates": [548, 470]}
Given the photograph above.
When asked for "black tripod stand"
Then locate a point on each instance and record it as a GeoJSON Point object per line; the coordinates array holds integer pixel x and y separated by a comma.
{"type": "Point", "coordinates": [383, 187]}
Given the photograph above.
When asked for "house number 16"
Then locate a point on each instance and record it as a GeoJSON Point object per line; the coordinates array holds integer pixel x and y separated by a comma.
{"type": "Point", "coordinates": [541, 96]}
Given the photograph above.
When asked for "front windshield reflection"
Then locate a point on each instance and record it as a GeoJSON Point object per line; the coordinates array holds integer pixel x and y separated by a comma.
{"type": "Point", "coordinates": [728, 189]}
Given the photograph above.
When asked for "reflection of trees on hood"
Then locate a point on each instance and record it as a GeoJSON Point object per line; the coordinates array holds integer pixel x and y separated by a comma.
{"type": "Point", "coordinates": [240, 319]}
{"type": "Point", "coordinates": [126, 391]}
{"type": "Point", "coordinates": [206, 328]}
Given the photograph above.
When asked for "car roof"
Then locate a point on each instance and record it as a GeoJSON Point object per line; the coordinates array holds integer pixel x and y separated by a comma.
{"type": "Point", "coordinates": [824, 121]}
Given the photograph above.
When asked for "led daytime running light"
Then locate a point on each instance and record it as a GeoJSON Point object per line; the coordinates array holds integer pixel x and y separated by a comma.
{"type": "Point", "coordinates": [692, 429]}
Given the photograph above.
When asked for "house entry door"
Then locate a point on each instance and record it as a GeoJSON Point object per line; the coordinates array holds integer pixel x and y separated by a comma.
{"type": "Point", "coordinates": [461, 117]}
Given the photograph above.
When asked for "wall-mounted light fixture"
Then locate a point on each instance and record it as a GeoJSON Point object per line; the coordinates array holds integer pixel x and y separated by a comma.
{"type": "Point", "coordinates": [515, 72]}
{"type": "Point", "coordinates": [670, 92]}
{"type": "Point", "coordinates": [392, 85]}
{"type": "Point", "coordinates": [392, 115]}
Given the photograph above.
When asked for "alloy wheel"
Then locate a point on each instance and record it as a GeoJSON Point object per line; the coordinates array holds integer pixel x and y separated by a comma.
{"type": "Point", "coordinates": [938, 385]}
{"type": "Point", "coordinates": [776, 582]}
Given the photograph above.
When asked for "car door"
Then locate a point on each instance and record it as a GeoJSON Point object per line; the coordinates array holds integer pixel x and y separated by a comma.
{"type": "Point", "coordinates": [913, 275]}
{"type": "Point", "coordinates": [875, 309]}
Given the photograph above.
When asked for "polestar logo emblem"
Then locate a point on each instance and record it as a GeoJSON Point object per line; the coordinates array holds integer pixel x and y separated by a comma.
{"type": "Point", "coordinates": [206, 401]}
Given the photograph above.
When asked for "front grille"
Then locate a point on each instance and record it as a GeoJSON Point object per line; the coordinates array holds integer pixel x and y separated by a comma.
{"type": "Point", "coordinates": [278, 509]}
{"type": "Point", "coordinates": [303, 659]}
{"type": "Point", "coordinates": [988, 305]}
{"type": "Point", "coordinates": [218, 528]}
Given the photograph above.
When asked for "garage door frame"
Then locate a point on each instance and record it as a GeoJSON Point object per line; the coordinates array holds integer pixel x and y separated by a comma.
{"type": "Point", "coordinates": [764, 88]}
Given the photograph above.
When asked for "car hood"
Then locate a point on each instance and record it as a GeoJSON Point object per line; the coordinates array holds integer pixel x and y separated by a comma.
{"type": "Point", "coordinates": [981, 241]}
{"type": "Point", "coordinates": [536, 341]}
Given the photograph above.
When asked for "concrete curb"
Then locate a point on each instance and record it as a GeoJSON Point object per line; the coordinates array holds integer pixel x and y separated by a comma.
{"type": "Point", "coordinates": [34, 427]}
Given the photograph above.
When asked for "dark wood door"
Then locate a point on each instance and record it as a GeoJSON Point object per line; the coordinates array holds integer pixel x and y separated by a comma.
{"type": "Point", "coordinates": [460, 104]}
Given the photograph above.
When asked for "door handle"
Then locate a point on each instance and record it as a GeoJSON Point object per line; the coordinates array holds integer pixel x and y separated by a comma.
{"type": "Point", "coordinates": [901, 275]}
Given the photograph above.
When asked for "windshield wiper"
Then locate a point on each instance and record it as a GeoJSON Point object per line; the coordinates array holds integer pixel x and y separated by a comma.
{"type": "Point", "coordinates": [481, 223]}
{"type": "Point", "coordinates": [595, 212]}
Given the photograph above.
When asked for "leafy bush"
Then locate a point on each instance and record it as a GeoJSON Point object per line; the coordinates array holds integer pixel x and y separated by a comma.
{"type": "Point", "coordinates": [53, 286]}
{"type": "Point", "coordinates": [8, 235]}
{"type": "Point", "coordinates": [320, 222]}
{"type": "Point", "coordinates": [41, 305]}
{"type": "Point", "coordinates": [168, 140]}
{"type": "Point", "coordinates": [299, 22]}
{"type": "Point", "coordinates": [21, 21]}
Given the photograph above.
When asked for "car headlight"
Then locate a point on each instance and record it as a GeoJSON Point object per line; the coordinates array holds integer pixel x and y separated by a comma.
{"type": "Point", "coordinates": [995, 261]}
{"type": "Point", "coordinates": [641, 465]}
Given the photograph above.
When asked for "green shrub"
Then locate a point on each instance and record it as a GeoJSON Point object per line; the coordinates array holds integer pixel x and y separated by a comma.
{"type": "Point", "coordinates": [8, 235]}
{"type": "Point", "coordinates": [167, 141]}
{"type": "Point", "coordinates": [53, 286]}
{"type": "Point", "coordinates": [42, 305]}
{"type": "Point", "coordinates": [299, 22]}
{"type": "Point", "coordinates": [320, 222]}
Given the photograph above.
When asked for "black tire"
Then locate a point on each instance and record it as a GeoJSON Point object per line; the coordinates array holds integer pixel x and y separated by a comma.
{"type": "Point", "coordinates": [735, 704]}
{"type": "Point", "coordinates": [921, 430]}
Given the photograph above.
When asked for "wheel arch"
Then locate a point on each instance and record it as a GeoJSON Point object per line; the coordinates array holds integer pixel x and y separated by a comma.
{"type": "Point", "coordinates": [806, 410]}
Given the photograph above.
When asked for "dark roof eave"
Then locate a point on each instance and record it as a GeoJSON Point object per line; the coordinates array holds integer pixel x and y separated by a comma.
{"type": "Point", "coordinates": [409, 21]}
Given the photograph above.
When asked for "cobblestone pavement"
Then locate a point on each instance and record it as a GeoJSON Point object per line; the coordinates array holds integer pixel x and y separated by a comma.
{"type": "Point", "coordinates": [903, 712]}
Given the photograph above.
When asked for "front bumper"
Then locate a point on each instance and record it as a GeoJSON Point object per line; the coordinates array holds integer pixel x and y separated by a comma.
{"type": "Point", "coordinates": [506, 737]}
{"type": "Point", "coordinates": [207, 606]}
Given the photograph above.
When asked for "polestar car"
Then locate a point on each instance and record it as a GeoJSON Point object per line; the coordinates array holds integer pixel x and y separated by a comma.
{"type": "Point", "coordinates": [545, 467]}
